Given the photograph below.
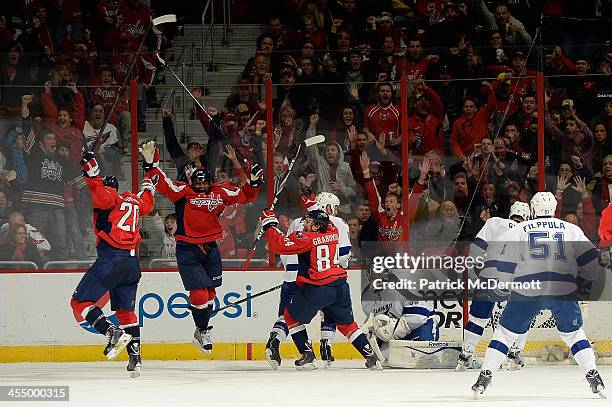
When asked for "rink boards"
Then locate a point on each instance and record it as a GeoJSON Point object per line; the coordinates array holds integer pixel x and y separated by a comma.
{"type": "Point", "coordinates": [37, 323]}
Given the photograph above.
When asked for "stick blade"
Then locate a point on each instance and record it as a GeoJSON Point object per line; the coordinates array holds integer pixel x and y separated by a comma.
{"type": "Point", "coordinates": [168, 18]}
{"type": "Point", "coordinates": [314, 140]}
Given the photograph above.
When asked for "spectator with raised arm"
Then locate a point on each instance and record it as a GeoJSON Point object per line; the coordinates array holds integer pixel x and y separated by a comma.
{"type": "Point", "coordinates": [471, 127]}
{"type": "Point", "coordinates": [575, 141]}
{"type": "Point", "coordinates": [513, 30]}
{"type": "Point", "coordinates": [333, 173]}
{"type": "Point", "coordinates": [66, 124]}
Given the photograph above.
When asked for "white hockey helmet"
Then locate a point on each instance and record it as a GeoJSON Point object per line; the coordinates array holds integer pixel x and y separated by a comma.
{"type": "Point", "coordinates": [519, 209]}
{"type": "Point", "coordinates": [543, 204]}
{"type": "Point", "coordinates": [327, 198]}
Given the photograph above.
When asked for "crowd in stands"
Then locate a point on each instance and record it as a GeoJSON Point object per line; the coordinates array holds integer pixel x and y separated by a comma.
{"type": "Point", "coordinates": [472, 110]}
{"type": "Point", "coordinates": [62, 65]}
{"type": "Point", "coordinates": [336, 65]}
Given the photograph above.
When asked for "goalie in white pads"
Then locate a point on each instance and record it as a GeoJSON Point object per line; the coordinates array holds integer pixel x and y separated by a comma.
{"type": "Point", "coordinates": [394, 317]}
{"type": "Point", "coordinates": [558, 255]}
{"type": "Point", "coordinates": [329, 203]}
{"type": "Point", "coordinates": [481, 309]}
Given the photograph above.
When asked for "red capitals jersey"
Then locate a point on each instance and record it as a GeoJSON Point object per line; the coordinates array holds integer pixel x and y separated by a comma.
{"type": "Point", "coordinates": [605, 227]}
{"type": "Point", "coordinates": [143, 72]}
{"type": "Point", "coordinates": [383, 120]}
{"type": "Point", "coordinates": [390, 229]}
{"type": "Point", "coordinates": [116, 215]}
{"type": "Point", "coordinates": [198, 213]}
{"type": "Point", "coordinates": [317, 254]}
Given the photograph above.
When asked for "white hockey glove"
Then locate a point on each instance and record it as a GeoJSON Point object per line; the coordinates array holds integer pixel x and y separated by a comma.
{"type": "Point", "coordinates": [148, 185]}
{"type": "Point", "coordinates": [150, 155]}
{"type": "Point", "coordinates": [90, 165]}
{"type": "Point", "coordinates": [388, 328]}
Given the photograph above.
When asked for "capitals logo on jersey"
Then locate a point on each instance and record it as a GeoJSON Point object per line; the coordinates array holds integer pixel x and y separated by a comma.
{"type": "Point", "coordinates": [211, 202]}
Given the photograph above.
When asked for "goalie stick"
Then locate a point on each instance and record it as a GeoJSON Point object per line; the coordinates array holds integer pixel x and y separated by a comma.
{"type": "Point", "coordinates": [308, 142]}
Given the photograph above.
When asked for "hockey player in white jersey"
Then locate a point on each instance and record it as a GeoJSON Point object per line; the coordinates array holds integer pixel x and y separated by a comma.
{"type": "Point", "coordinates": [329, 203]}
{"type": "Point", "coordinates": [559, 256]}
{"type": "Point", "coordinates": [394, 317]}
{"type": "Point", "coordinates": [481, 309]}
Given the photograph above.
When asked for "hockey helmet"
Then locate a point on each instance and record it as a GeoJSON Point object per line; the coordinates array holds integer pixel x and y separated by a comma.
{"type": "Point", "coordinates": [200, 175]}
{"type": "Point", "coordinates": [319, 218]}
{"type": "Point", "coordinates": [110, 181]}
{"type": "Point", "coordinates": [327, 198]}
{"type": "Point", "coordinates": [519, 209]}
{"type": "Point", "coordinates": [543, 204]}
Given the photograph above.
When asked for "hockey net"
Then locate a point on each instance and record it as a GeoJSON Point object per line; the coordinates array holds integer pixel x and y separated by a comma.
{"type": "Point", "coordinates": [543, 334]}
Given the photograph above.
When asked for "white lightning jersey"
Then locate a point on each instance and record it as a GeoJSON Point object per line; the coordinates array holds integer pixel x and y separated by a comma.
{"type": "Point", "coordinates": [488, 240]}
{"type": "Point", "coordinates": [392, 303]}
{"type": "Point", "coordinates": [548, 250]}
{"type": "Point", "coordinates": [343, 252]}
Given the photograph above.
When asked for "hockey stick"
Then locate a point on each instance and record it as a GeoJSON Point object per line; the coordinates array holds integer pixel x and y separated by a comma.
{"type": "Point", "coordinates": [233, 304]}
{"type": "Point", "coordinates": [210, 119]}
{"type": "Point", "coordinates": [308, 142]}
{"type": "Point", "coordinates": [168, 18]}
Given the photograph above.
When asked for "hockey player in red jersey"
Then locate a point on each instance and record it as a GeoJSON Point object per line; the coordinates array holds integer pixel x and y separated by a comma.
{"type": "Point", "coordinates": [197, 208]}
{"type": "Point", "coordinates": [324, 284]}
{"type": "Point", "coordinates": [117, 269]}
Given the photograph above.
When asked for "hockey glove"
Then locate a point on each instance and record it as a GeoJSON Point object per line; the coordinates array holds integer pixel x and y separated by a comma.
{"type": "Point", "coordinates": [90, 165]}
{"type": "Point", "coordinates": [147, 185]}
{"type": "Point", "coordinates": [150, 155]}
{"type": "Point", "coordinates": [268, 220]}
{"type": "Point", "coordinates": [256, 176]}
{"type": "Point", "coordinates": [309, 200]}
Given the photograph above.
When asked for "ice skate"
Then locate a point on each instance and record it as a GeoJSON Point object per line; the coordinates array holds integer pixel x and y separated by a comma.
{"type": "Point", "coordinates": [464, 361]}
{"type": "Point", "coordinates": [272, 351]}
{"type": "Point", "coordinates": [201, 338]}
{"type": "Point", "coordinates": [484, 379]}
{"type": "Point", "coordinates": [308, 361]}
{"type": "Point", "coordinates": [134, 365]}
{"type": "Point", "coordinates": [326, 353]}
{"type": "Point", "coordinates": [373, 363]}
{"type": "Point", "coordinates": [515, 360]}
{"type": "Point", "coordinates": [596, 383]}
{"type": "Point", "coordinates": [117, 341]}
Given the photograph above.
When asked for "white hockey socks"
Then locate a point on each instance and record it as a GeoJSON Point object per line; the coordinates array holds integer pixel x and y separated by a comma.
{"type": "Point", "coordinates": [498, 348]}
{"type": "Point", "coordinates": [580, 348]}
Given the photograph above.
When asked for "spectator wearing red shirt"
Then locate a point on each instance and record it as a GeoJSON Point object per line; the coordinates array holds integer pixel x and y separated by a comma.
{"type": "Point", "coordinates": [471, 127]}
{"type": "Point", "coordinates": [425, 131]}
{"type": "Point", "coordinates": [66, 125]}
{"type": "Point", "coordinates": [413, 63]}
{"type": "Point", "coordinates": [132, 20]}
{"type": "Point", "coordinates": [382, 119]}
{"type": "Point", "coordinates": [522, 79]}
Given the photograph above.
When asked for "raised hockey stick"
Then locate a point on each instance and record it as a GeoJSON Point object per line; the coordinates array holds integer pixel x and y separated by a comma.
{"type": "Point", "coordinates": [308, 142]}
{"type": "Point", "coordinates": [233, 304]}
{"type": "Point", "coordinates": [168, 18]}
{"type": "Point", "coordinates": [210, 119]}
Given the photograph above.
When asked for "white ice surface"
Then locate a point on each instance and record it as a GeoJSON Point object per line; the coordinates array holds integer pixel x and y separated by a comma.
{"type": "Point", "coordinates": [347, 383]}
